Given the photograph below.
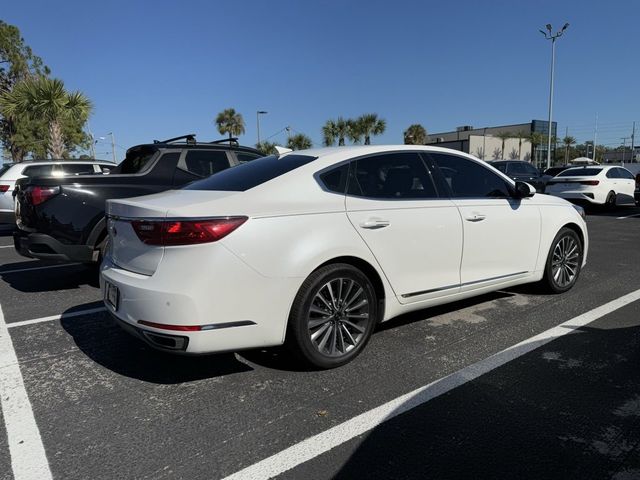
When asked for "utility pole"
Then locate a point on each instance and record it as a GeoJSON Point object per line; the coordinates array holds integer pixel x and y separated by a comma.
{"type": "Point", "coordinates": [553, 37]}
{"type": "Point", "coordinates": [595, 136]}
{"type": "Point", "coordinates": [624, 147]}
{"type": "Point", "coordinates": [633, 136]}
{"type": "Point", "coordinates": [113, 147]}
{"type": "Point", "coordinates": [566, 146]}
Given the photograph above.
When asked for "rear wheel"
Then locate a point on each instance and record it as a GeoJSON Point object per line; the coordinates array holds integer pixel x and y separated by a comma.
{"type": "Point", "coordinates": [611, 201]}
{"type": "Point", "coordinates": [333, 316]}
{"type": "Point", "coordinates": [563, 262]}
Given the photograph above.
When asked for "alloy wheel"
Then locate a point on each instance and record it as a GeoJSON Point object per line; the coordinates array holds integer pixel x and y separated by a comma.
{"type": "Point", "coordinates": [338, 317]}
{"type": "Point", "coordinates": [565, 261]}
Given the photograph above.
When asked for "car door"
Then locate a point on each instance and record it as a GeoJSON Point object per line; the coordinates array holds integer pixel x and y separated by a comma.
{"type": "Point", "coordinates": [415, 235]}
{"type": "Point", "coordinates": [501, 233]}
{"type": "Point", "coordinates": [626, 186]}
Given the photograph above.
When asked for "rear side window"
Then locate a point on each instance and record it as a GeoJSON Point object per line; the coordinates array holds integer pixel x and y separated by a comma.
{"type": "Point", "coordinates": [246, 157]}
{"type": "Point", "coordinates": [38, 171]}
{"type": "Point", "coordinates": [522, 168]}
{"type": "Point", "coordinates": [612, 173]}
{"type": "Point", "coordinates": [335, 180]}
{"type": "Point", "coordinates": [391, 175]}
{"type": "Point", "coordinates": [137, 160]}
{"type": "Point", "coordinates": [249, 175]}
{"type": "Point", "coordinates": [74, 169]}
{"type": "Point", "coordinates": [580, 172]}
{"type": "Point", "coordinates": [5, 167]}
{"type": "Point", "coordinates": [468, 179]}
{"type": "Point", "coordinates": [204, 163]}
{"type": "Point", "coordinates": [500, 166]}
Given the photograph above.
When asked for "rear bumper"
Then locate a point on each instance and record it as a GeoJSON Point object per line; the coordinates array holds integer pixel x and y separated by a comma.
{"type": "Point", "coordinates": [45, 247]}
{"type": "Point", "coordinates": [578, 196]}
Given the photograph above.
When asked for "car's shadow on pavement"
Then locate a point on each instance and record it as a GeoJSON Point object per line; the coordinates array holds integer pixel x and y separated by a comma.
{"type": "Point", "coordinates": [62, 277]}
{"type": "Point", "coordinates": [102, 340]}
{"type": "Point", "coordinates": [614, 212]}
{"type": "Point", "coordinates": [569, 409]}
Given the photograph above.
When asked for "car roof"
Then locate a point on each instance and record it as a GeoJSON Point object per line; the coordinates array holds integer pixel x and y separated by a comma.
{"type": "Point", "coordinates": [57, 162]}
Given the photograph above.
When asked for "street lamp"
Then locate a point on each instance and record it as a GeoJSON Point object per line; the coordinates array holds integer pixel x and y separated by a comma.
{"type": "Point", "coordinates": [258, 113]}
{"type": "Point", "coordinates": [550, 36]}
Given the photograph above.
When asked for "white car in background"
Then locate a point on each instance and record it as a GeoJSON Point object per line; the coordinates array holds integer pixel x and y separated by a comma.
{"type": "Point", "coordinates": [10, 173]}
{"type": "Point", "coordinates": [314, 248]}
{"type": "Point", "coordinates": [595, 184]}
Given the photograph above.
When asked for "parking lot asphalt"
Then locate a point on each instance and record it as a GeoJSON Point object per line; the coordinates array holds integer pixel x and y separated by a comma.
{"type": "Point", "coordinates": [108, 406]}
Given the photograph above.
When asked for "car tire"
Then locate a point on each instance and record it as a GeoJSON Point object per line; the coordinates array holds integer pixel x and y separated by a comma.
{"type": "Point", "coordinates": [610, 203]}
{"type": "Point", "coordinates": [332, 317]}
{"type": "Point", "coordinates": [565, 256]}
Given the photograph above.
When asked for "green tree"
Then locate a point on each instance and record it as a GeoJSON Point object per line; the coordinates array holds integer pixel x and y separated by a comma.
{"type": "Point", "coordinates": [267, 148]}
{"type": "Point", "coordinates": [19, 134]}
{"type": "Point", "coordinates": [47, 99]}
{"type": "Point", "coordinates": [336, 129]}
{"type": "Point", "coordinates": [568, 142]}
{"type": "Point", "coordinates": [503, 136]}
{"type": "Point", "coordinates": [368, 125]}
{"type": "Point", "coordinates": [415, 134]}
{"type": "Point", "coordinates": [299, 141]}
{"type": "Point", "coordinates": [230, 122]}
{"type": "Point", "coordinates": [535, 138]}
{"type": "Point", "coordinates": [520, 135]}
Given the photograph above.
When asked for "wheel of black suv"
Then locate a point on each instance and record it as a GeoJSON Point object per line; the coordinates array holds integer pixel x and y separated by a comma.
{"type": "Point", "coordinates": [333, 316]}
{"type": "Point", "coordinates": [563, 262]}
{"type": "Point", "coordinates": [610, 203]}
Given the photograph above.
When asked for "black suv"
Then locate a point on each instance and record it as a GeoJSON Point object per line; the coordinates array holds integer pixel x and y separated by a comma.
{"type": "Point", "coordinates": [520, 171]}
{"type": "Point", "coordinates": [63, 218]}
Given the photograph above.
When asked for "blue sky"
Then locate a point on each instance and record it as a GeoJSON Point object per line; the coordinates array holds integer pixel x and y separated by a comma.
{"type": "Point", "coordinates": [159, 69]}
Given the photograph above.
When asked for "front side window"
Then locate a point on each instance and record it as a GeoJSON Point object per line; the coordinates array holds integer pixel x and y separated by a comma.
{"type": "Point", "coordinates": [204, 163]}
{"type": "Point", "coordinates": [468, 179]}
{"type": "Point", "coordinates": [391, 175]}
{"type": "Point", "coordinates": [624, 173]}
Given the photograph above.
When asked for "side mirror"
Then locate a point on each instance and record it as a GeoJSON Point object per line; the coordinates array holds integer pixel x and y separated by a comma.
{"type": "Point", "coordinates": [524, 190]}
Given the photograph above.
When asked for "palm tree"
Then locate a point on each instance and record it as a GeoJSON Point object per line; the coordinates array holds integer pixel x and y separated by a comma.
{"type": "Point", "coordinates": [356, 131]}
{"type": "Point", "coordinates": [47, 99]}
{"type": "Point", "coordinates": [369, 124]}
{"type": "Point", "coordinates": [503, 136]}
{"type": "Point", "coordinates": [520, 134]}
{"type": "Point", "coordinates": [415, 134]}
{"type": "Point", "coordinates": [568, 142]}
{"type": "Point", "coordinates": [228, 121]}
{"type": "Point", "coordinates": [336, 129]}
{"type": "Point", "coordinates": [267, 148]}
{"type": "Point", "coordinates": [299, 141]}
{"type": "Point", "coordinates": [535, 138]}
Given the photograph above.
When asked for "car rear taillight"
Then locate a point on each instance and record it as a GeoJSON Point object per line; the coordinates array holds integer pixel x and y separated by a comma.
{"type": "Point", "coordinates": [185, 232]}
{"type": "Point", "coordinates": [38, 195]}
{"type": "Point", "coordinates": [4, 188]}
{"type": "Point", "coordinates": [593, 183]}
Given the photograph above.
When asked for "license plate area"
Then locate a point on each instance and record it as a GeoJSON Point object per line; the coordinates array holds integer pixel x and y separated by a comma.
{"type": "Point", "coordinates": [111, 295]}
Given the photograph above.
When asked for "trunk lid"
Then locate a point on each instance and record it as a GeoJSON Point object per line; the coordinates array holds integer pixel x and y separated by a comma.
{"type": "Point", "coordinates": [128, 251]}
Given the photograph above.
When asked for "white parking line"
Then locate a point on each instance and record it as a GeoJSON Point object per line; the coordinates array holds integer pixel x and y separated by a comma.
{"type": "Point", "coordinates": [629, 216]}
{"type": "Point", "coordinates": [325, 441]}
{"type": "Point", "coordinates": [6, 246]}
{"type": "Point", "coordinates": [38, 268]}
{"type": "Point", "coordinates": [28, 458]}
{"type": "Point", "coordinates": [56, 317]}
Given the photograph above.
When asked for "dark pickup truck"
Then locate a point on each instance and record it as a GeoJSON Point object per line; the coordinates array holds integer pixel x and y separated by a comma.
{"type": "Point", "coordinates": [62, 218]}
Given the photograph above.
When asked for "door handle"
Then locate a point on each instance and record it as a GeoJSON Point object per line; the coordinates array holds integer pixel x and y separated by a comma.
{"type": "Point", "coordinates": [374, 223]}
{"type": "Point", "coordinates": [475, 217]}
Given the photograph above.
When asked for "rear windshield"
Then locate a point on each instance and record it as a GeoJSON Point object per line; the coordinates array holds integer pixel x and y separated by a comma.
{"type": "Point", "coordinates": [554, 170]}
{"type": "Point", "coordinates": [580, 172]}
{"type": "Point", "coordinates": [137, 159]}
{"type": "Point", "coordinates": [249, 175]}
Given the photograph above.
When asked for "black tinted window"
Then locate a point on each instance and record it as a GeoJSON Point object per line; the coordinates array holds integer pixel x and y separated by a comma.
{"type": "Point", "coordinates": [5, 167]}
{"type": "Point", "coordinates": [500, 166]}
{"type": "Point", "coordinates": [612, 173]}
{"type": "Point", "coordinates": [580, 172]}
{"type": "Point", "coordinates": [38, 171]}
{"type": "Point", "coordinates": [336, 180]}
{"type": "Point", "coordinates": [522, 168]}
{"type": "Point", "coordinates": [468, 179]}
{"type": "Point", "coordinates": [391, 175]}
{"type": "Point", "coordinates": [624, 173]}
{"type": "Point", "coordinates": [246, 157]}
{"type": "Point", "coordinates": [553, 171]}
{"type": "Point", "coordinates": [205, 162]}
{"type": "Point", "coordinates": [137, 160]}
{"type": "Point", "coordinates": [249, 175]}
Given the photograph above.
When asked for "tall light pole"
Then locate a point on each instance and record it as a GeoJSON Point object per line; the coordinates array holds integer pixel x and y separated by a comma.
{"type": "Point", "coordinates": [258, 113]}
{"type": "Point", "coordinates": [113, 146]}
{"type": "Point", "coordinates": [553, 37]}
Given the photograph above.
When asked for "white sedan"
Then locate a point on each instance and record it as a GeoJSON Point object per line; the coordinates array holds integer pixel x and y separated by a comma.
{"type": "Point", "coordinates": [595, 184]}
{"type": "Point", "coordinates": [314, 248]}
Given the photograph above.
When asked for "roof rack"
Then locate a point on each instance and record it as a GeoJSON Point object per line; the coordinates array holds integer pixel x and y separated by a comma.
{"type": "Point", "coordinates": [232, 141]}
{"type": "Point", "coordinates": [190, 139]}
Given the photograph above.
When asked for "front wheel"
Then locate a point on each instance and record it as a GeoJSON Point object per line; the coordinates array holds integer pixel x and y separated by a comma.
{"type": "Point", "coordinates": [333, 316]}
{"type": "Point", "coordinates": [563, 262]}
